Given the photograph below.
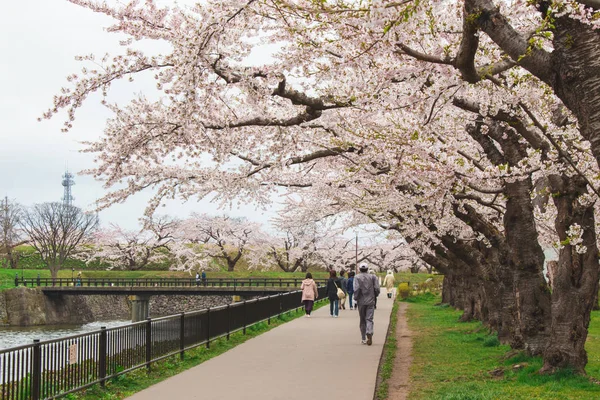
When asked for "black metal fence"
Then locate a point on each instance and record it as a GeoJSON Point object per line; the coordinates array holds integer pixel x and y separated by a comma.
{"type": "Point", "coordinates": [164, 282]}
{"type": "Point", "coordinates": [54, 368]}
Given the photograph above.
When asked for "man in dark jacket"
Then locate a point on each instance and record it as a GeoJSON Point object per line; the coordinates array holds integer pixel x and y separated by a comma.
{"type": "Point", "coordinates": [350, 287]}
{"type": "Point", "coordinates": [344, 286]}
{"type": "Point", "coordinates": [366, 290]}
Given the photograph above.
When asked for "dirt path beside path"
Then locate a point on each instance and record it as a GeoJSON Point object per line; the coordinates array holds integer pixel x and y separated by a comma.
{"type": "Point", "coordinates": [398, 383]}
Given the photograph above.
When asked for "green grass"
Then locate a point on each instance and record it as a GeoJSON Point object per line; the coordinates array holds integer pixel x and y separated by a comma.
{"type": "Point", "coordinates": [389, 355]}
{"type": "Point", "coordinates": [453, 360]}
{"type": "Point", "coordinates": [140, 379]}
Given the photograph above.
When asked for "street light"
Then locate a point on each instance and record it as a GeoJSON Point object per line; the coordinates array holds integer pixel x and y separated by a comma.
{"type": "Point", "coordinates": [72, 274]}
{"type": "Point", "coordinates": [356, 255]}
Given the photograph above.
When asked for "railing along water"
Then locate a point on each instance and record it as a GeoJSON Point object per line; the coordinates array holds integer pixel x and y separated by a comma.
{"type": "Point", "coordinates": [54, 368]}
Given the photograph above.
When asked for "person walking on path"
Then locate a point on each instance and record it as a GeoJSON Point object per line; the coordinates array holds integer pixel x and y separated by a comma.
{"type": "Point", "coordinates": [332, 294]}
{"type": "Point", "coordinates": [344, 287]}
{"type": "Point", "coordinates": [366, 290]}
{"type": "Point", "coordinates": [197, 278]}
{"type": "Point", "coordinates": [350, 289]}
{"type": "Point", "coordinates": [309, 293]}
{"type": "Point", "coordinates": [388, 282]}
{"type": "Point", "coordinates": [203, 278]}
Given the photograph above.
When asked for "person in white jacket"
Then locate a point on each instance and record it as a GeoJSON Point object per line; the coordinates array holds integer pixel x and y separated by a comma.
{"type": "Point", "coordinates": [388, 282]}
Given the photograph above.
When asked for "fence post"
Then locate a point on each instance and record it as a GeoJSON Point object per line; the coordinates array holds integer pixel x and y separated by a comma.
{"type": "Point", "coordinates": [245, 316]}
{"type": "Point", "coordinates": [269, 300]}
{"type": "Point", "coordinates": [102, 356]}
{"type": "Point", "coordinates": [36, 370]}
{"type": "Point", "coordinates": [182, 336]}
{"type": "Point", "coordinates": [208, 328]}
{"type": "Point", "coordinates": [148, 343]}
{"type": "Point", "coordinates": [281, 312]}
{"type": "Point", "coordinates": [228, 320]}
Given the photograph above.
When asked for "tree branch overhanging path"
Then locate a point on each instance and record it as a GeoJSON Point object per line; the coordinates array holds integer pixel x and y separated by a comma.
{"type": "Point", "coordinates": [450, 124]}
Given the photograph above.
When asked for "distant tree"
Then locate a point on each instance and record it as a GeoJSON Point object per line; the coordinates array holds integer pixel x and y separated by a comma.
{"type": "Point", "coordinates": [394, 256]}
{"type": "Point", "coordinates": [340, 253]}
{"type": "Point", "coordinates": [134, 250]}
{"type": "Point", "coordinates": [293, 250]}
{"type": "Point", "coordinates": [222, 237]}
{"type": "Point", "coordinates": [56, 231]}
{"type": "Point", "coordinates": [11, 234]}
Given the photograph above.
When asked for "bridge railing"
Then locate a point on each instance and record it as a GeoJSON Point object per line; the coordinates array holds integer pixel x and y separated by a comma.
{"type": "Point", "coordinates": [53, 368]}
{"type": "Point", "coordinates": [165, 282]}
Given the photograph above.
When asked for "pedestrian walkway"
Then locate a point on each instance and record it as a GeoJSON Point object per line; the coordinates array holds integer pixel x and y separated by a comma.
{"type": "Point", "coordinates": [308, 358]}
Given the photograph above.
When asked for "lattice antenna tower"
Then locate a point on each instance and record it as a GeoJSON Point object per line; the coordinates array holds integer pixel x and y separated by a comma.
{"type": "Point", "coordinates": [67, 182]}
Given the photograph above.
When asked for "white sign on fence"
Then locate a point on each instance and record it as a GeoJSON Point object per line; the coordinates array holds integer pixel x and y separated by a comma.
{"type": "Point", "coordinates": [73, 354]}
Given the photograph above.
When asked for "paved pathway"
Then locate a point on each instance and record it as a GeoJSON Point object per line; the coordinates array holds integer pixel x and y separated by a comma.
{"type": "Point", "coordinates": [308, 358]}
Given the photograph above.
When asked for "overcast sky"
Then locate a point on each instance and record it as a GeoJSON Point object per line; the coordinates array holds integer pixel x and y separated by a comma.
{"type": "Point", "coordinates": [38, 42]}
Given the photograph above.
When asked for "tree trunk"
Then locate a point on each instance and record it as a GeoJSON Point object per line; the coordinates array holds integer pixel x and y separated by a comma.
{"type": "Point", "coordinates": [551, 267]}
{"type": "Point", "coordinates": [54, 272]}
{"type": "Point", "coordinates": [576, 280]}
{"type": "Point", "coordinates": [576, 75]}
{"type": "Point", "coordinates": [230, 265]}
{"type": "Point", "coordinates": [531, 294]}
{"type": "Point", "coordinates": [474, 299]}
{"type": "Point", "coordinates": [447, 294]}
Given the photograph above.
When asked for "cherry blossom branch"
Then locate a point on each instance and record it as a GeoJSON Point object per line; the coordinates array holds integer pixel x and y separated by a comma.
{"type": "Point", "coordinates": [559, 149]}
{"type": "Point", "coordinates": [532, 137]}
{"type": "Point", "coordinates": [479, 200]}
{"type": "Point", "coordinates": [490, 20]}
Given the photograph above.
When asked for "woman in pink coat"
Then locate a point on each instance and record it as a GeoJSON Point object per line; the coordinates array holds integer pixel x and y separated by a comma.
{"type": "Point", "coordinates": [309, 293]}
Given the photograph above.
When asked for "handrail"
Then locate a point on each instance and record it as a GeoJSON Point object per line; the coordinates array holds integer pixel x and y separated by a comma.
{"type": "Point", "coordinates": [164, 282]}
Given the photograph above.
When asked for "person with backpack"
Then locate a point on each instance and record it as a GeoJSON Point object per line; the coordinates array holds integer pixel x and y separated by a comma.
{"type": "Point", "coordinates": [309, 293]}
{"type": "Point", "coordinates": [350, 289]}
{"type": "Point", "coordinates": [344, 286]}
{"type": "Point", "coordinates": [366, 290]}
{"type": "Point", "coordinates": [331, 289]}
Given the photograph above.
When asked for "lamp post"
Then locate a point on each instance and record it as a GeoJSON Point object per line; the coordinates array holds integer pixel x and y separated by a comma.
{"type": "Point", "coordinates": [72, 274]}
{"type": "Point", "coordinates": [356, 255]}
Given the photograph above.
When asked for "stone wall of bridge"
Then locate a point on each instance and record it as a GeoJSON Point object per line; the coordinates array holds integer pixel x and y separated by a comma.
{"type": "Point", "coordinates": [29, 306]}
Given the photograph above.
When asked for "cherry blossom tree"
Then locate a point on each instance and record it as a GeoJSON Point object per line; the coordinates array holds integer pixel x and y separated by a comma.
{"type": "Point", "coordinates": [442, 144]}
{"type": "Point", "coordinates": [134, 250]}
{"type": "Point", "coordinates": [394, 256]}
{"type": "Point", "coordinates": [221, 237]}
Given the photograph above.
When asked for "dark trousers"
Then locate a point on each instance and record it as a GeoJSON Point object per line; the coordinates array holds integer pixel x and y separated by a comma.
{"type": "Point", "coordinates": [366, 314]}
{"type": "Point", "coordinates": [308, 306]}
{"type": "Point", "coordinates": [333, 307]}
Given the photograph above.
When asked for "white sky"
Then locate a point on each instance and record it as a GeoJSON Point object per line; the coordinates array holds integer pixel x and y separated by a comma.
{"type": "Point", "coordinates": [38, 42]}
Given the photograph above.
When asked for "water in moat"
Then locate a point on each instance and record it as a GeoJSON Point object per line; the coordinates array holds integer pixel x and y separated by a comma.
{"type": "Point", "coordinates": [11, 336]}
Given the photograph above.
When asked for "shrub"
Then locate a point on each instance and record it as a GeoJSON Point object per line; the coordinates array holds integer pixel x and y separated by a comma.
{"type": "Point", "coordinates": [403, 290]}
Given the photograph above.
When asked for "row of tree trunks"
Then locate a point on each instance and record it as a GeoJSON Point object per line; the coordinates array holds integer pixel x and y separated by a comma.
{"type": "Point", "coordinates": [505, 287]}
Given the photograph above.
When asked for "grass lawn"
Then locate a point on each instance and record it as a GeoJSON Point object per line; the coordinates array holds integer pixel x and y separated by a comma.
{"type": "Point", "coordinates": [453, 360]}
